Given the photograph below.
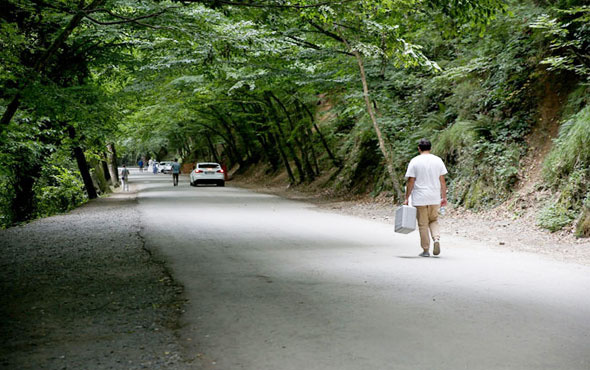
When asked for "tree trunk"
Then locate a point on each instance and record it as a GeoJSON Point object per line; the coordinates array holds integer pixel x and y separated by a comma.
{"type": "Point", "coordinates": [388, 158]}
{"type": "Point", "coordinates": [227, 149]}
{"type": "Point", "coordinates": [308, 138]}
{"type": "Point", "coordinates": [99, 176]}
{"type": "Point", "coordinates": [310, 143]}
{"type": "Point", "coordinates": [10, 110]}
{"type": "Point", "coordinates": [212, 149]}
{"type": "Point", "coordinates": [85, 172]}
{"type": "Point", "coordinates": [112, 164]}
{"type": "Point", "coordinates": [105, 169]}
{"type": "Point", "coordinates": [336, 161]}
{"type": "Point", "coordinates": [249, 134]}
{"type": "Point", "coordinates": [304, 155]}
{"type": "Point", "coordinates": [83, 166]}
{"type": "Point", "coordinates": [285, 159]}
{"type": "Point", "coordinates": [230, 136]}
{"type": "Point", "coordinates": [268, 152]}
{"type": "Point", "coordinates": [23, 202]}
{"type": "Point", "coordinates": [284, 141]}
{"type": "Point", "coordinates": [263, 137]}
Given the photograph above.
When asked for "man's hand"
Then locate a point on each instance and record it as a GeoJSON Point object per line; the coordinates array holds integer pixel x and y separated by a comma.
{"type": "Point", "coordinates": [409, 188]}
{"type": "Point", "coordinates": [443, 191]}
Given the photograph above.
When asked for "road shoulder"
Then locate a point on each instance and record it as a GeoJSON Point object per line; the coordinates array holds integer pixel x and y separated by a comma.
{"type": "Point", "coordinates": [79, 290]}
{"type": "Point", "coordinates": [495, 229]}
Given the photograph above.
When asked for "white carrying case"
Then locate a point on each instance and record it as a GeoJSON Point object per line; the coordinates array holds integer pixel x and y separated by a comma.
{"type": "Point", "coordinates": [405, 219]}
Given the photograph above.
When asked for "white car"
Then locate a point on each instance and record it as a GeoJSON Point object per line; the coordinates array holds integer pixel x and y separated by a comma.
{"type": "Point", "coordinates": [165, 167]}
{"type": "Point", "coordinates": [208, 173]}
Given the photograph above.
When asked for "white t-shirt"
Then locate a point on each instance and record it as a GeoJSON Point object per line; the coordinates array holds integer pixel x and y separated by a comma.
{"type": "Point", "coordinates": [427, 169]}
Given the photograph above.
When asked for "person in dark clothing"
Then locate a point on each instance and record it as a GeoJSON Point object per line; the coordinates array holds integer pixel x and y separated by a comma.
{"type": "Point", "coordinates": [175, 171]}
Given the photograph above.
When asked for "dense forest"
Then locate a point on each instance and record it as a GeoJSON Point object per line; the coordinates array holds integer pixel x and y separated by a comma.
{"type": "Point", "coordinates": [331, 93]}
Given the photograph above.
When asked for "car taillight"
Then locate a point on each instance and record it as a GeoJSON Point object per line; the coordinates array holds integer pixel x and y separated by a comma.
{"type": "Point", "coordinates": [219, 171]}
{"type": "Point", "coordinates": [198, 171]}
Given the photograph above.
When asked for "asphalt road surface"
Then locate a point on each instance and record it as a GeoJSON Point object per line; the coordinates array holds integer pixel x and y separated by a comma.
{"type": "Point", "coordinates": [274, 284]}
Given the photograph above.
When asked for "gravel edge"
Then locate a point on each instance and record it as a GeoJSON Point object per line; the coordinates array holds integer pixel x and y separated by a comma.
{"type": "Point", "coordinates": [81, 290]}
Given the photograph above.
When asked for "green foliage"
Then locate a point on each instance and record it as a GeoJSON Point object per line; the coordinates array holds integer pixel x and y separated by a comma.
{"type": "Point", "coordinates": [64, 83]}
{"type": "Point", "coordinates": [567, 170]}
{"type": "Point", "coordinates": [570, 154]}
{"type": "Point", "coordinates": [477, 111]}
{"type": "Point", "coordinates": [6, 194]}
{"type": "Point", "coordinates": [451, 143]}
{"type": "Point", "coordinates": [57, 185]}
{"type": "Point", "coordinates": [363, 170]}
{"type": "Point", "coordinates": [567, 28]}
{"type": "Point", "coordinates": [59, 190]}
{"type": "Point", "coordinates": [555, 217]}
{"type": "Point", "coordinates": [245, 84]}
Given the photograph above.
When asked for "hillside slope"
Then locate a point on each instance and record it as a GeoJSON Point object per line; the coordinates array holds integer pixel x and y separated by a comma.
{"type": "Point", "coordinates": [499, 118]}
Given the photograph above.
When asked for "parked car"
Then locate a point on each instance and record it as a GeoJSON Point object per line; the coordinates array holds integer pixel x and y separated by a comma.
{"type": "Point", "coordinates": [207, 173]}
{"type": "Point", "coordinates": [165, 167]}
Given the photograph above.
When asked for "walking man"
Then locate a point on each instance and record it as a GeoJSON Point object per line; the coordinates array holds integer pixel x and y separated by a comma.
{"type": "Point", "coordinates": [426, 184]}
{"type": "Point", "coordinates": [125, 178]}
{"type": "Point", "coordinates": [175, 171]}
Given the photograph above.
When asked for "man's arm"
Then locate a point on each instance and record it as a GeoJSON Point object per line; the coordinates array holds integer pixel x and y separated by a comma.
{"type": "Point", "coordinates": [409, 188]}
{"type": "Point", "coordinates": [443, 191]}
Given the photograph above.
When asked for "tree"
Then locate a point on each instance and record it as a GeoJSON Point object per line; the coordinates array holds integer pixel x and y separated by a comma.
{"type": "Point", "coordinates": [567, 30]}
{"type": "Point", "coordinates": [51, 50]}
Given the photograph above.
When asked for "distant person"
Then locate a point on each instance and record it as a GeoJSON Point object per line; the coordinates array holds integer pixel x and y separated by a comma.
{"type": "Point", "coordinates": [140, 164]}
{"type": "Point", "coordinates": [175, 171]}
{"type": "Point", "coordinates": [426, 184]}
{"type": "Point", "coordinates": [125, 178]}
{"type": "Point", "coordinates": [155, 167]}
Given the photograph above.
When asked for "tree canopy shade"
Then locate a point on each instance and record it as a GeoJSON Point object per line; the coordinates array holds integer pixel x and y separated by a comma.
{"type": "Point", "coordinates": [338, 90]}
{"type": "Point", "coordinates": [283, 39]}
{"type": "Point", "coordinates": [53, 83]}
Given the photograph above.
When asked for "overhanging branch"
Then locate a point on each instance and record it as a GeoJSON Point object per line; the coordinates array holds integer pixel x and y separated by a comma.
{"type": "Point", "coordinates": [270, 5]}
{"type": "Point", "coordinates": [122, 19]}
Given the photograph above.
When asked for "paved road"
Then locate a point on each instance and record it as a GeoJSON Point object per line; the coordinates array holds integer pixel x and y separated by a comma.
{"type": "Point", "coordinates": [274, 284]}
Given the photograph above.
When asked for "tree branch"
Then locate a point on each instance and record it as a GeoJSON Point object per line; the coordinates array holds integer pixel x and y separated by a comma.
{"type": "Point", "coordinates": [124, 20]}
{"type": "Point", "coordinates": [327, 33]}
{"type": "Point", "coordinates": [304, 43]}
{"type": "Point", "coordinates": [96, 21]}
{"type": "Point", "coordinates": [269, 5]}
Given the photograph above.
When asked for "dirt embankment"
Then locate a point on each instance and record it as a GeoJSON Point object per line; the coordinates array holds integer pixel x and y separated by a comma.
{"type": "Point", "coordinates": [510, 226]}
{"type": "Point", "coordinates": [80, 291]}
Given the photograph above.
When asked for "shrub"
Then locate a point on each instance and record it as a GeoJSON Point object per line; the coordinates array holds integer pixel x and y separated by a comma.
{"type": "Point", "coordinates": [6, 193]}
{"type": "Point", "coordinates": [567, 169]}
{"type": "Point", "coordinates": [570, 151]}
{"type": "Point", "coordinates": [555, 217]}
{"type": "Point", "coordinates": [450, 142]}
{"type": "Point", "coordinates": [59, 190]}
{"type": "Point", "coordinates": [583, 227]}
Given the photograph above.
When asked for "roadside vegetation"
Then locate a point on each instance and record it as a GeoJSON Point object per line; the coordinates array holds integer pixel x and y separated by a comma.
{"type": "Point", "coordinates": [330, 95]}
